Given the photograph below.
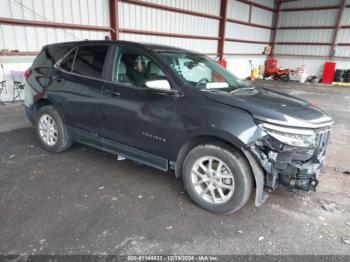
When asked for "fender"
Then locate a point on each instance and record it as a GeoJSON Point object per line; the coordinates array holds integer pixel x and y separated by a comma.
{"type": "Point", "coordinates": [260, 194]}
{"type": "Point", "coordinates": [209, 136]}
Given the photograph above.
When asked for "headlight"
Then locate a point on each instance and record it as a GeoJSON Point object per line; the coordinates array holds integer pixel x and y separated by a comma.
{"type": "Point", "coordinates": [299, 137]}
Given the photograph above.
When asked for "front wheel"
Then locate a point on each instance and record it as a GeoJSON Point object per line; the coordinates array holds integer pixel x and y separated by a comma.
{"type": "Point", "coordinates": [217, 178]}
{"type": "Point", "coordinates": [284, 78]}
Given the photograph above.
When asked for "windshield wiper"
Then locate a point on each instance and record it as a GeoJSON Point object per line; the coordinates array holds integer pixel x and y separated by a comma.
{"type": "Point", "coordinates": [243, 87]}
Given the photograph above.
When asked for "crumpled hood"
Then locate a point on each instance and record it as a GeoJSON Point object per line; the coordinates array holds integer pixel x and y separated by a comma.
{"type": "Point", "coordinates": [273, 107]}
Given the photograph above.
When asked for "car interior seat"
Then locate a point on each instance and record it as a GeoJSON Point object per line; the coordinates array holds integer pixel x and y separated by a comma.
{"type": "Point", "coordinates": [153, 72]}
{"type": "Point", "coordinates": [121, 75]}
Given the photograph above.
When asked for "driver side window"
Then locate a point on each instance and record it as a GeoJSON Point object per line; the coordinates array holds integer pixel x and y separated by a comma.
{"type": "Point", "coordinates": [134, 68]}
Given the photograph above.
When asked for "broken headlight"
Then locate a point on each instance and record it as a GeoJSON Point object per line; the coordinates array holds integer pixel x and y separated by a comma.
{"type": "Point", "coordinates": [299, 137]}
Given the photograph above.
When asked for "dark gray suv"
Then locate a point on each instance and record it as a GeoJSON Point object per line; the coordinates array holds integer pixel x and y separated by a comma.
{"type": "Point", "coordinates": [176, 109]}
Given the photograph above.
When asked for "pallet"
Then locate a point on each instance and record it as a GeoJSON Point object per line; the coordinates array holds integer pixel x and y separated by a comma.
{"type": "Point", "coordinates": [341, 83]}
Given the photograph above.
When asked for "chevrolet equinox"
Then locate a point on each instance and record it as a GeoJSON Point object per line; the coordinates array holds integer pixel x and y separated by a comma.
{"type": "Point", "coordinates": [170, 108]}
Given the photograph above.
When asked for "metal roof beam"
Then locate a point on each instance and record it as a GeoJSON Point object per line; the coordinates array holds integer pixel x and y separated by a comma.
{"type": "Point", "coordinates": [114, 19]}
{"type": "Point", "coordinates": [222, 28]}
{"type": "Point", "coordinates": [337, 27]}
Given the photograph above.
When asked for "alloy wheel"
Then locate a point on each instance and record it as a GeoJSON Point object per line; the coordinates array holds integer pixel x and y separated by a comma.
{"type": "Point", "coordinates": [212, 180]}
{"type": "Point", "coordinates": [48, 130]}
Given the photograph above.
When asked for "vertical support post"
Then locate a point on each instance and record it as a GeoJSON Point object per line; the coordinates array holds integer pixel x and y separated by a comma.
{"type": "Point", "coordinates": [250, 13]}
{"type": "Point", "coordinates": [337, 27]}
{"type": "Point", "coordinates": [114, 19]}
{"type": "Point", "coordinates": [222, 26]}
{"type": "Point", "coordinates": [275, 26]}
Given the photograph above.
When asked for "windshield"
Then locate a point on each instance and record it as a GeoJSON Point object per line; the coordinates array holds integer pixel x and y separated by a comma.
{"type": "Point", "coordinates": [202, 72]}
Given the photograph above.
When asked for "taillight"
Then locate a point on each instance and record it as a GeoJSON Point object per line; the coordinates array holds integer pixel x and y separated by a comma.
{"type": "Point", "coordinates": [27, 74]}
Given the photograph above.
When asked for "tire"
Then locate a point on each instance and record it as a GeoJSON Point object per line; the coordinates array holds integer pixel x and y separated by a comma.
{"type": "Point", "coordinates": [234, 161]}
{"type": "Point", "coordinates": [284, 78]}
{"type": "Point", "coordinates": [62, 141]}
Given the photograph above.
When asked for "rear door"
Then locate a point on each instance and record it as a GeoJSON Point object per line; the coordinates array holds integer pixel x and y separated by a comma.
{"type": "Point", "coordinates": [79, 87]}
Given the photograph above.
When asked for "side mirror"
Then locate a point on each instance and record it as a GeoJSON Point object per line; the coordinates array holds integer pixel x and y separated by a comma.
{"type": "Point", "coordinates": [161, 85]}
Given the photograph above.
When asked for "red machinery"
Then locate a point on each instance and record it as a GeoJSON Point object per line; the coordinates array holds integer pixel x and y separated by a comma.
{"type": "Point", "coordinates": [328, 73]}
{"type": "Point", "coordinates": [273, 70]}
{"type": "Point", "coordinates": [223, 63]}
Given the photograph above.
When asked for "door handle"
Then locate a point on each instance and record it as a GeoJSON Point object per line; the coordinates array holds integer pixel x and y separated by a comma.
{"type": "Point", "coordinates": [115, 93]}
{"type": "Point", "coordinates": [57, 78]}
{"type": "Point", "coordinates": [112, 92]}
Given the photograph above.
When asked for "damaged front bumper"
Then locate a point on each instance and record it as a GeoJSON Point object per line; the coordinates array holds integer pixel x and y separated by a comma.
{"type": "Point", "coordinates": [289, 166]}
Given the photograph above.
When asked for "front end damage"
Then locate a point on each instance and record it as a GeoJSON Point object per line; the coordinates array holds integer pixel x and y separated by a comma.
{"type": "Point", "coordinates": [290, 157]}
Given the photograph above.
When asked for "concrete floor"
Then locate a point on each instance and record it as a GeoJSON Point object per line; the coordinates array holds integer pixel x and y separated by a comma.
{"type": "Point", "coordinates": [86, 202]}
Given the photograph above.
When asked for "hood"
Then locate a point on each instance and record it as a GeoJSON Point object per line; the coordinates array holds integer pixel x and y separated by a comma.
{"type": "Point", "coordinates": [274, 107]}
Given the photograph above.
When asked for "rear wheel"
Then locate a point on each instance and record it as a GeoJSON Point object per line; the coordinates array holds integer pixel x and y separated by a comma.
{"type": "Point", "coordinates": [284, 78]}
{"type": "Point", "coordinates": [217, 178]}
{"type": "Point", "coordinates": [51, 131]}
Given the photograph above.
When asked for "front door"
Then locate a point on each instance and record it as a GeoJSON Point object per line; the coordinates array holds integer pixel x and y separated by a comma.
{"type": "Point", "coordinates": [135, 115]}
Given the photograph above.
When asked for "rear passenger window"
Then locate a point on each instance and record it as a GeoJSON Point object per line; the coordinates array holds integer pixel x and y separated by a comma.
{"type": "Point", "coordinates": [86, 61]}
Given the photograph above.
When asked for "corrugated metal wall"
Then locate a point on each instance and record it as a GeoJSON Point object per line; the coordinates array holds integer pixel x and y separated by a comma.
{"type": "Point", "coordinates": [239, 11]}
{"type": "Point", "coordinates": [84, 12]}
{"type": "Point", "coordinates": [310, 3]}
{"type": "Point", "coordinates": [95, 12]}
{"type": "Point", "coordinates": [144, 18]}
{"type": "Point", "coordinates": [312, 18]}
{"type": "Point", "coordinates": [136, 17]}
{"type": "Point", "coordinates": [245, 13]}
{"type": "Point", "coordinates": [344, 34]}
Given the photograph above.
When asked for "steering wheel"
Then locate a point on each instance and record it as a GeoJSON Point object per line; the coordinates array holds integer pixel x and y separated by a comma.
{"type": "Point", "coordinates": [204, 80]}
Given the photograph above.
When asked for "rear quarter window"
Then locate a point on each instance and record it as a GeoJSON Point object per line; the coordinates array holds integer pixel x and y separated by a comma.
{"type": "Point", "coordinates": [49, 55]}
{"type": "Point", "coordinates": [68, 61]}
